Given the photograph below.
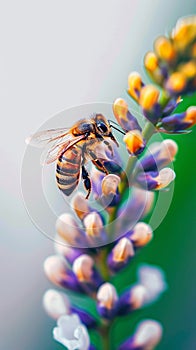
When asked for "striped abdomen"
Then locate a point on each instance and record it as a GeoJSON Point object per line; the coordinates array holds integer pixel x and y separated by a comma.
{"type": "Point", "coordinates": [68, 170]}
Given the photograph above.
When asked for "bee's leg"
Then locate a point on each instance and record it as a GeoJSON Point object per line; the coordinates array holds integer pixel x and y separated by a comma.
{"type": "Point", "coordinates": [109, 147]}
{"type": "Point", "coordinates": [86, 180]}
{"type": "Point", "coordinates": [98, 163]}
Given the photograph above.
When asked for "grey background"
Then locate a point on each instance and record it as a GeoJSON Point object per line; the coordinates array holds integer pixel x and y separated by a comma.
{"type": "Point", "coordinates": [55, 55]}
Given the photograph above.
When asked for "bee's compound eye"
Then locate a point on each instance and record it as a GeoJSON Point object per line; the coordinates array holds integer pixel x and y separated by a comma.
{"type": "Point", "coordinates": [102, 127]}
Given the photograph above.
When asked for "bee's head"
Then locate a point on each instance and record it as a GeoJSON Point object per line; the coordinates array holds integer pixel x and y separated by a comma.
{"type": "Point", "coordinates": [103, 127]}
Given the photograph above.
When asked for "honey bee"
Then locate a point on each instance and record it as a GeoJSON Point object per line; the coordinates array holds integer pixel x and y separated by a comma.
{"type": "Point", "coordinates": [72, 147]}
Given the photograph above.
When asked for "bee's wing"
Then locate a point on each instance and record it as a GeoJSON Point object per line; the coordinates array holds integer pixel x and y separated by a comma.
{"type": "Point", "coordinates": [59, 146]}
{"type": "Point", "coordinates": [42, 138]}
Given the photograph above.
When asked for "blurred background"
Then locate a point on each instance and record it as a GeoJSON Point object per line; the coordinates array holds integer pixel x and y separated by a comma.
{"type": "Point", "coordinates": [55, 55]}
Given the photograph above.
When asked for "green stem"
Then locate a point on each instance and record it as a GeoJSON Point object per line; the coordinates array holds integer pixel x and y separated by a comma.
{"type": "Point", "coordinates": [105, 335]}
{"type": "Point", "coordinates": [102, 263]}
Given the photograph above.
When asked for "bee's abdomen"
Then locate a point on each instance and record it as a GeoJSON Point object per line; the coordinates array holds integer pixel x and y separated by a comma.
{"type": "Point", "coordinates": [68, 170]}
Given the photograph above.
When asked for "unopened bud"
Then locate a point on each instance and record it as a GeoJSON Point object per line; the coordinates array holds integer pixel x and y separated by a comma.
{"type": "Point", "coordinates": [151, 61]}
{"type": "Point", "coordinates": [190, 115]}
{"type": "Point", "coordinates": [148, 97]}
{"type": "Point", "coordinates": [164, 49]}
{"type": "Point", "coordinates": [134, 85]}
{"type": "Point", "coordinates": [68, 229]}
{"type": "Point", "coordinates": [165, 177]}
{"type": "Point", "coordinates": [142, 234]}
{"type": "Point", "coordinates": [107, 300]}
{"type": "Point", "coordinates": [134, 142]}
{"type": "Point", "coordinates": [176, 82]}
{"type": "Point", "coordinates": [83, 268]}
{"type": "Point", "coordinates": [148, 335]}
{"type": "Point", "coordinates": [80, 205]}
{"type": "Point", "coordinates": [110, 184]}
{"type": "Point", "coordinates": [56, 304]}
{"type": "Point", "coordinates": [93, 224]}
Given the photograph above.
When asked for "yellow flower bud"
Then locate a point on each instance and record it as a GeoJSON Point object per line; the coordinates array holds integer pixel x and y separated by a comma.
{"type": "Point", "coordinates": [150, 61]}
{"type": "Point", "coordinates": [188, 69]}
{"type": "Point", "coordinates": [120, 109]}
{"type": "Point", "coordinates": [191, 115]}
{"type": "Point", "coordinates": [134, 85]}
{"type": "Point", "coordinates": [176, 82]}
{"type": "Point", "coordinates": [134, 141]}
{"type": "Point", "coordinates": [148, 97]}
{"type": "Point", "coordinates": [184, 32]}
{"type": "Point", "coordinates": [164, 49]}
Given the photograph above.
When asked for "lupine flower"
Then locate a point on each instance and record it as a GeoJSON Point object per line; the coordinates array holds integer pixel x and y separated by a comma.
{"type": "Point", "coordinates": [124, 197]}
{"type": "Point", "coordinates": [146, 336]}
{"type": "Point", "coordinates": [71, 333]}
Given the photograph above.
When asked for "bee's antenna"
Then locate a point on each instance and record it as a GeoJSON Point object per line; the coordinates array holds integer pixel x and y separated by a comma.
{"type": "Point", "coordinates": [114, 127]}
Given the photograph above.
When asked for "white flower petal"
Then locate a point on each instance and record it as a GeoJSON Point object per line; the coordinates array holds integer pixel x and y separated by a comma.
{"type": "Point", "coordinates": [71, 333]}
{"type": "Point", "coordinates": [153, 279]}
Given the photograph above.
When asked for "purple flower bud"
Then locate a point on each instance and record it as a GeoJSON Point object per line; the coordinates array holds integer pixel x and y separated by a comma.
{"type": "Point", "coordinates": [146, 337]}
{"type": "Point", "coordinates": [68, 229]}
{"type": "Point", "coordinates": [107, 301]}
{"type": "Point", "coordinates": [171, 106]}
{"type": "Point", "coordinates": [87, 319]}
{"type": "Point", "coordinates": [179, 122]}
{"type": "Point", "coordinates": [123, 116]}
{"type": "Point", "coordinates": [158, 156]}
{"type": "Point", "coordinates": [59, 273]}
{"type": "Point", "coordinates": [154, 180]}
{"type": "Point", "coordinates": [131, 300]}
{"type": "Point", "coordinates": [69, 253]}
{"type": "Point", "coordinates": [86, 274]}
{"type": "Point", "coordinates": [120, 255]}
